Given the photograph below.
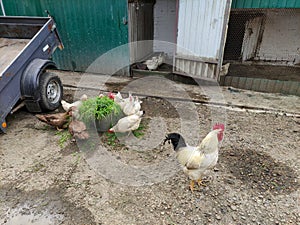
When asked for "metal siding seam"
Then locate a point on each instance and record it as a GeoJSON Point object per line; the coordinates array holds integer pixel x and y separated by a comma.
{"type": "Point", "coordinates": [263, 85]}
{"type": "Point", "coordinates": [286, 87]}
{"type": "Point", "coordinates": [242, 82]}
{"type": "Point", "coordinates": [293, 87]}
{"type": "Point", "coordinates": [278, 86]}
{"type": "Point", "coordinates": [249, 82]}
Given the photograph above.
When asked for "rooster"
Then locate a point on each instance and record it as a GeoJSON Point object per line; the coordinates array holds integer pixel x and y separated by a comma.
{"type": "Point", "coordinates": [195, 161]}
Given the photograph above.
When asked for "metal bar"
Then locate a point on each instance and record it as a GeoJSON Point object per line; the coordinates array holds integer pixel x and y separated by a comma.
{"type": "Point", "coordinates": [223, 39]}
{"type": "Point", "coordinates": [2, 8]}
{"type": "Point", "coordinates": [21, 20]}
{"type": "Point", "coordinates": [197, 58]}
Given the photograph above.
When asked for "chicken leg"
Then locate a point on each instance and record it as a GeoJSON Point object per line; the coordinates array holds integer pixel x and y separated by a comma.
{"type": "Point", "coordinates": [200, 183]}
{"type": "Point", "coordinates": [192, 185]}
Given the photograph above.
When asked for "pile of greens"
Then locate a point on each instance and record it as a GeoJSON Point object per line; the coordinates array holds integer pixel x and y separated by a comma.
{"type": "Point", "coordinates": [98, 108]}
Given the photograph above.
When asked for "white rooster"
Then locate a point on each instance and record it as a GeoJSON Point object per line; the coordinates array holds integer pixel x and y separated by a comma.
{"type": "Point", "coordinates": [196, 160]}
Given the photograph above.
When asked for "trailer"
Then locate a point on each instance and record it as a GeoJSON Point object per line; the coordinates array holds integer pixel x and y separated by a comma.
{"type": "Point", "coordinates": [26, 48]}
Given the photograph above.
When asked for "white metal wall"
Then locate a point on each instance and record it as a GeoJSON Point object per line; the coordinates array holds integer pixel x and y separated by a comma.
{"type": "Point", "coordinates": [200, 36]}
{"type": "Point", "coordinates": [281, 38]}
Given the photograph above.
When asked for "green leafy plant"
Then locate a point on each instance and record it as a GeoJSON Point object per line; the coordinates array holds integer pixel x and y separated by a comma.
{"type": "Point", "coordinates": [64, 137]}
{"type": "Point", "coordinates": [139, 132]}
{"type": "Point", "coordinates": [98, 108]}
{"type": "Point", "coordinates": [112, 138]}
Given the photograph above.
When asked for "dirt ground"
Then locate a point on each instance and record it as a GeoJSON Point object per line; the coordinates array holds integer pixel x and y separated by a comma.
{"type": "Point", "coordinates": [137, 180]}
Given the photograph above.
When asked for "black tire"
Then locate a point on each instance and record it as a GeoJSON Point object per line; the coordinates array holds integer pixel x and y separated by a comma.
{"type": "Point", "coordinates": [50, 91]}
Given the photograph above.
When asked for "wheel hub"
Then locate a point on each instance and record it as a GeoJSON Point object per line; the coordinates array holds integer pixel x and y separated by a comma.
{"type": "Point", "coordinates": [53, 91]}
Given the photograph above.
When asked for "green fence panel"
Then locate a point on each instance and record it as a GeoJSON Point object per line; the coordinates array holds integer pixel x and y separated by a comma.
{"type": "Point", "coordinates": [88, 28]}
{"type": "Point", "coordinates": [265, 4]}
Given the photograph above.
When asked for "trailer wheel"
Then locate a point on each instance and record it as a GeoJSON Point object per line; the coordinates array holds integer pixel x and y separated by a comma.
{"type": "Point", "coordinates": [50, 90]}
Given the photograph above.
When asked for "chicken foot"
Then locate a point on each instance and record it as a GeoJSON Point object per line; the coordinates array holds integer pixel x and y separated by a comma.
{"type": "Point", "coordinates": [200, 183]}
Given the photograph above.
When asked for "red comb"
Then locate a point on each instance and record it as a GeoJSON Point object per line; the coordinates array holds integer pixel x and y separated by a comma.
{"type": "Point", "coordinates": [219, 126]}
{"type": "Point", "coordinates": [111, 95]}
{"type": "Point", "coordinates": [110, 131]}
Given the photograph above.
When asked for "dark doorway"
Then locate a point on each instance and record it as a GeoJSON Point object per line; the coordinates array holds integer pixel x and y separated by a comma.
{"type": "Point", "coordinates": [235, 36]}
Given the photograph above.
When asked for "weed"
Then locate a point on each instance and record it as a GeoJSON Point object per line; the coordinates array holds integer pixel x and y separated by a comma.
{"type": "Point", "coordinates": [111, 138]}
{"type": "Point", "coordinates": [64, 137]}
{"type": "Point", "coordinates": [139, 132]}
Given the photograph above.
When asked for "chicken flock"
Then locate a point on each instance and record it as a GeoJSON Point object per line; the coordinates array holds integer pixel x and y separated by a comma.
{"type": "Point", "coordinates": [131, 107]}
{"type": "Point", "coordinates": [195, 161]}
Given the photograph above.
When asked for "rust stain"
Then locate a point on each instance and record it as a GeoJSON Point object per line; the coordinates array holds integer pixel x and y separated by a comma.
{"type": "Point", "coordinates": [8, 74]}
{"type": "Point", "coordinates": [50, 26]}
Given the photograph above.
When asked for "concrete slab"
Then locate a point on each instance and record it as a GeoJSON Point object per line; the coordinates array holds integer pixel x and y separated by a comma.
{"type": "Point", "coordinates": [162, 87]}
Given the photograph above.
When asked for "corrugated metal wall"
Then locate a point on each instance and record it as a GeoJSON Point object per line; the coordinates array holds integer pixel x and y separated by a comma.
{"type": "Point", "coordinates": [265, 4]}
{"type": "Point", "coordinates": [88, 28]}
{"type": "Point", "coordinates": [200, 33]}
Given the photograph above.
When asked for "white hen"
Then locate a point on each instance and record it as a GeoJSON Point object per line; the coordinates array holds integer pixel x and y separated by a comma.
{"type": "Point", "coordinates": [161, 58]}
{"type": "Point", "coordinates": [128, 123]}
{"type": "Point", "coordinates": [132, 107]}
{"type": "Point", "coordinates": [152, 64]}
{"type": "Point", "coordinates": [66, 106]}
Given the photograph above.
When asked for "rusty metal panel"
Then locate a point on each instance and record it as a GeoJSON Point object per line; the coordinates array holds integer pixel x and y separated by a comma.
{"type": "Point", "coordinates": [263, 85]}
{"type": "Point", "coordinates": [271, 86]}
{"type": "Point", "coordinates": [249, 83]}
{"type": "Point", "coordinates": [285, 87]}
{"type": "Point", "coordinates": [202, 27]}
{"type": "Point", "coordinates": [256, 84]}
{"type": "Point", "coordinates": [251, 38]}
{"type": "Point", "coordinates": [298, 90]}
{"type": "Point", "coordinates": [278, 86]}
{"type": "Point", "coordinates": [294, 87]}
{"type": "Point", "coordinates": [239, 4]}
{"type": "Point", "coordinates": [235, 82]}
{"type": "Point", "coordinates": [195, 68]}
{"type": "Point", "coordinates": [226, 80]}
{"type": "Point", "coordinates": [242, 82]}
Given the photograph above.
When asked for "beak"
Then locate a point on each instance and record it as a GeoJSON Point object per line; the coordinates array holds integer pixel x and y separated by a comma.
{"type": "Point", "coordinates": [166, 140]}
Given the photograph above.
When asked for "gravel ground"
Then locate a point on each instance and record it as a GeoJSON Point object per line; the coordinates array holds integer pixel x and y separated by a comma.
{"type": "Point", "coordinates": [256, 180]}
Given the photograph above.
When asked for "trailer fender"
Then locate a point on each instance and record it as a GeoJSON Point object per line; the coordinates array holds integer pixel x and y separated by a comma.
{"type": "Point", "coordinates": [30, 82]}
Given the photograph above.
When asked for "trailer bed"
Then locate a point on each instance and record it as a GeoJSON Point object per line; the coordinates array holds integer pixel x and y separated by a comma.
{"type": "Point", "coordinates": [26, 48]}
{"type": "Point", "coordinates": [9, 49]}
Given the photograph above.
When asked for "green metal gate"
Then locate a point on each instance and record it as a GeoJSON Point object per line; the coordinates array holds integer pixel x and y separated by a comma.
{"type": "Point", "coordinates": [88, 28]}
